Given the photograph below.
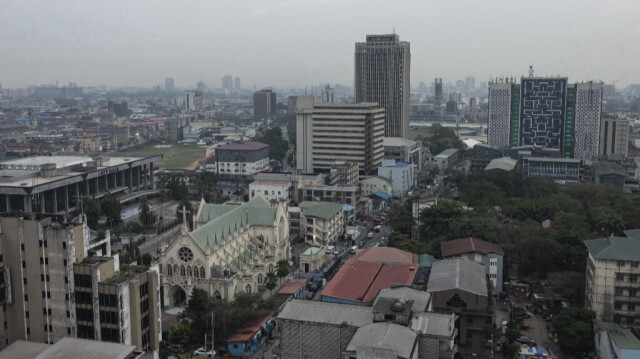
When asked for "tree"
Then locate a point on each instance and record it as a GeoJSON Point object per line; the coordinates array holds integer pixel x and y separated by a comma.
{"type": "Point", "coordinates": [91, 209]}
{"type": "Point", "coordinates": [146, 259]}
{"type": "Point", "coordinates": [186, 204]}
{"type": "Point", "coordinates": [177, 189]}
{"type": "Point", "coordinates": [443, 138]}
{"type": "Point", "coordinates": [282, 268]}
{"type": "Point", "coordinates": [146, 217]}
{"type": "Point", "coordinates": [574, 327]}
{"type": "Point", "coordinates": [205, 185]}
{"type": "Point", "coordinates": [111, 207]}
{"type": "Point", "coordinates": [400, 219]}
{"type": "Point", "coordinates": [278, 146]}
{"type": "Point", "coordinates": [271, 281]}
{"type": "Point", "coordinates": [435, 220]}
{"type": "Point", "coordinates": [180, 333]}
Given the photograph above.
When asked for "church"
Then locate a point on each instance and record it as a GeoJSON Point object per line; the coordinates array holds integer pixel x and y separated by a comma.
{"type": "Point", "coordinates": [230, 250]}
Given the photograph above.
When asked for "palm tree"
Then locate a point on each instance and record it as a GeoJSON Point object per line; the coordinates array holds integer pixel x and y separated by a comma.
{"type": "Point", "coordinates": [271, 281]}
{"type": "Point", "coordinates": [282, 269]}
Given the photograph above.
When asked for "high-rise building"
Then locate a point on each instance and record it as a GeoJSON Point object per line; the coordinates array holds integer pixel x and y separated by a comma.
{"type": "Point", "coordinates": [614, 136]}
{"type": "Point", "coordinates": [328, 133]}
{"type": "Point", "coordinates": [227, 83]}
{"type": "Point", "coordinates": [168, 84]}
{"type": "Point", "coordinates": [237, 84]}
{"type": "Point", "coordinates": [327, 94]}
{"type": "Point", "coordinates": [264, 103]}
{"type": "Point", "coordinates": [382, 75]}
{"type": "Point", "coordinates": [470, 83]}
{"type": "Point", "coordinates": [547, 113]}
{"type": "Point", "coordinates": [193, 101]}
{"type": "Point", "coordinates": [438, 90]}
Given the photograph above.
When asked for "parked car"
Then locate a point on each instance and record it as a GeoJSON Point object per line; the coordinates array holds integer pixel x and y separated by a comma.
{"type": "Point", "coordinates": [177, 348]}
{"type": "Point", "coordinates": [336, 252]}
{"type": "Point", "coordinates": [330, 249]}
{"type": "Point", "coordinates": [377, 228]}
{"type": "Point", "coordinates": [310, 295]}
{"type": "Point", "coordinates": [354, 249]}
{"type": "Point", "coordinates": [360, 244]}
{"type": "Point", "coordinates": [204, 353]}
{"type": "Point", "coordinates": [370, 235]}
{"type": "Point", "coordinates": [526, 341]}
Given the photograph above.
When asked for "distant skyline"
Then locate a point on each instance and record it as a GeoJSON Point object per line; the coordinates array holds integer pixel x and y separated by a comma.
{"type": "Point", "coordinates": [293, 43]}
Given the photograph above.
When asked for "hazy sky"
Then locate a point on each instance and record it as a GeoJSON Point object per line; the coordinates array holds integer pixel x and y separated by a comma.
{"type": "Point", "coordinates": [296, 42]}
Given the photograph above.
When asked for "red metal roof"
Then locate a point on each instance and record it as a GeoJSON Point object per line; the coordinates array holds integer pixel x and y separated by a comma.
{"type": "Point", "coordinates": [386, 255]}
{"type": "Point", "coordinates": [243, 146]}
{"type": "Point", "coordinates": [250, 329]}
{"type": "Point", "coordinates": [360, 281]}
{"type": "Point", "coordinates": [468, 245]}
{"type": "Point", "coordinates": [292, 287]}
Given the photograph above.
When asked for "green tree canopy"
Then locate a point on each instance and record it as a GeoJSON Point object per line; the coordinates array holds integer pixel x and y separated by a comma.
{"type": "Point", "coordinates": [575, 329]}
{"type": "Point", "coordinates": [111, 207]}
{"type": "Point", "coordinates": [400, 219]}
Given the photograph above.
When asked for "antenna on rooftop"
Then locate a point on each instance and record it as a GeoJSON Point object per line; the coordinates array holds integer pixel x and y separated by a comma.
{"type": "Point", "coordinates": [394, 30]}
{"type": "Point", "coordinates": [531, 71]}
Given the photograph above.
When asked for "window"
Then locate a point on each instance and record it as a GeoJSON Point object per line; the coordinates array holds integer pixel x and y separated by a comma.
{"type": "Point", "coordinates": [201, 272]}
{"type": "Point", "coordinates": [631, 306]}
{"type": "Point", "coordinates": [633, 278]}
{"type": "Point", "coordinates": [64, 245]}
{"type": "Point", "coordinates": [619, 276]}
{"type": "Point", "coordinates": [618, 291]}
{"type": "Point", "coordinates": [22, 246]}
{"type": "Point", "coordinates": [635, 264]}
{"type": "Point", "coordinates": [633, 292]}
{"type": "Point", "coordinates": [618, 305]}
{"type": "Point", "coordinates": [620, 263]}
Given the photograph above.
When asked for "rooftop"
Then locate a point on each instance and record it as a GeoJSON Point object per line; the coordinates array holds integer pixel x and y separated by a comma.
{"type": "Point", "coordinates": [615, 248]}
{"type": "Point", "coordinates": [311, 251]}
{"type": "Point", "coordinates": [386, 255]}
{"type": "Point", "coordinates": [243, 146]}
{"type": "Point", "coordinates": [324, 210]}
{"type": "Point", "coordinates": [604, 168]}
{"type": "Point", "coordinates": [397, 142]}
{"type": "Point", "coordinates": [67, 348]}
{"type": "Point", "coordinates": [327, 313]}
{"type": "Point", "coordinates": [397, 338]}
{"type": "Point", "coordinates": [503, 164]}
{"type": "Point", "coordinates": [623, 338]}
{"type": "Point", "coordinates": [447, 153]}
{"type": "Point", "coordinates": [458, 274]}
{"type": "Point", "coordinates": [249, 329]}
{"type": "Point", "coordinates": [435, 324]}
{"type": "Point", "coordinates": [420, 299]}
{"type": "Point", "coordinates": [469, 245]}
{"type": "Point", "coordinates": [292, 286]}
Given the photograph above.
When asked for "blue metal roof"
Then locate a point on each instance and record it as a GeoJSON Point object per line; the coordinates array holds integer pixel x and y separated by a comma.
{"type": "Point", "coordinates": [402, 164]}
{"type": "Point", "coordinates": [382, 195]}
{"type": "Point", "coordinates": [347, 207]}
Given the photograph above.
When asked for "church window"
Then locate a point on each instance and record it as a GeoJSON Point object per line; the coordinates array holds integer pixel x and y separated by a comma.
{"type": "Point", "coordinates": [169, 270]}
{"type": "Point", "coordinates": [270, 268]}
{"type": "Point", "coordinates": [248, 288]}
{"type": "Point", "coordinates": [185, 254]}
{"type": "Point", "coordinates": [196, 273]}
{"type": "Point", "coordinates": [188, 271]}
{"type": "Point", "coordinates": [260, 278]}
{"type": "Point", "coordinates": [201, 272]}
{"type": "Point", "coordinates": [182, 271]}
{"type": "Point", "coordinates": [217, 294]}
{"type": "Point", "coordinates": [175, 269]}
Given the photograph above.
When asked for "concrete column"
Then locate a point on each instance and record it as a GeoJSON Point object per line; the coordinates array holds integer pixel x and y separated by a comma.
{"type": "Point", "coordinates": [137, 179]}
{"type": "Point", "coordinates": [122, 182]}
{"type": "Point", "coordinates": [77, 201]}
{"type": "Point", "coordinates": [151, 175]}
{"type": "Point", "coordinates": [27, 204]}
{"type": "Point", "coordinates": [97, 185]}
{"type": "Point", "coordinates": [86, 187]}
{"type": "Point", "coordinates": [66, 200]}
{"type": "Point", "coordinates": [55, 201]}
{"type": "Point", "coordinates": [144, 177]}
{"type": "Point", "coordinates": [130, 179]}
{"type": "Point", "coordinates": [7, 198]}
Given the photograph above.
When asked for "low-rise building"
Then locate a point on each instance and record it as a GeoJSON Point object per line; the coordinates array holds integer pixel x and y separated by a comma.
{"type": "Point", "coordinates": [320, 193]}
{"type": "Point", "coordinates": [403, 150]}
{"type": "Point", "coordinates": [446, 159]}
{"type": "Point", "coordinates": [383, 340]}
{"type": "Point", "coordinates": [312, 259]}
{"type": "Point", "coordinates": [563, 169]}
{"type": "Point", "coordinates": [473, 249]}
{"type": "Point", "coordinates": [321, 223]}
{"type": "Point", "coordinates": [371, 185]}
{"type": "Point", "coordinates": [241, 160]}
{"type": "Point", "coordinates": [615, 342]}
{"type": "Point", "coordinates": [272, 191]}
{"type": "Point", "coordinates": [344, 173]}
{"type": "Point", "coordinates": [402, 175]}
{"type": "Point", "coordinates": [437, 334]}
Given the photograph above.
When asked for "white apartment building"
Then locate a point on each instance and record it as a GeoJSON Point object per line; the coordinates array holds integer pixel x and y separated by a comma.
{"type": "Point", "coordinates": [612, 288]}
{"type": "Point", "coordinates": [327, 133]}
{"type": "Point", "coordinates": [272, 191]}
{"type": "Point", "coordinates": [240, 160]}
{"type": "Point", "coordinates": [402, 176]}
{"type": "Point", "coordinates": [321, 223]}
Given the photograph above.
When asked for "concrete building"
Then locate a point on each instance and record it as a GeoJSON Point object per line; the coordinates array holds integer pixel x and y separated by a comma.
{"type": "Point", "coordinates": [193, 101]}
{"type": "Point", "coordinates": [54, 286]}
{"type": "Point", "coordinates": [237, 83]}
{"type": "Point", "coordinates": [459, 286]}
{"type": "Point", "coordinates": [340, 194]}
{"type": "Point", "coordinates": [562, 169]}
{"type": "Point", "coordinates": [437, 334]}
{"type": "Point", "coordinates": [327, 133]}
{"type": "Point", "coordinates": [613, 269]}
{"type": "Point", "coordinates": [403, 150]}
{"type": "Point", "coordinates": [241, 160]}
{"type": "Point", "coordinates": [383, 340]}
{"type": "Point", "coordinates": [327, 94]}
{"type": "Point", "coordinates": [489, 254]}
{"type": "Point", "coordinates": [321, 223]}
{"type": "Point", "coordinates": [438, 93]}
{"type": "Point", "coordinates": [343, 173]}
{"type": "Point", "coordinates": [614, 136]}
{"type": "Point", "coordinates": [312, 259]}
{"type": "Point", "coordinates": [446, 159]}
{"type": "Point", "coordinates": [272, 191]}
{"type": "Point", "coordinates": [615, 342]}
{"type": "Point", "coordinates": [403, 176]}
{"type": "Point", "coordinates": [54, 184]}
{"type": "Point", "coordinates": [546, 112]}
{"type": "Point", "coordinates": [371, 185]}
{"type": "Point", "coordinates": [319, 330]}
{"type": "Point", "coordinates": [230, 250]}
{"type": "Point", "coordinates": [382, 74]}
{"type": "Point", "coordinates": [70, 348]}
{"type": "Point", "coordinates": [264, 104]}
{"type": "Point", "coordinates": [169, 84]}
{"type": "Point", "coordinates": [227, 83]}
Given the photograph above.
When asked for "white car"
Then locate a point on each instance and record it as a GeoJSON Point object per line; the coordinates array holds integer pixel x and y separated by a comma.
{"type": "Point", "coordinates": [370, 235]}
{"type": "Point", "coordinates": [330, 249]}
{"type": "Point", "coordinates": [204, 353]}
{"type": "Point", "coordinates": [354, 249]}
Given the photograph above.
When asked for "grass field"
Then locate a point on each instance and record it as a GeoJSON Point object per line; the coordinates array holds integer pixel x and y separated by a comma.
{"type": "Point", "coordinates": [424, 131]}
{"type": "Point", "coordinates": [174, 157]}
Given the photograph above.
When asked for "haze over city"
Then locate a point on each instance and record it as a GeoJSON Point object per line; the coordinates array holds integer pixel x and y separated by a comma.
{"type": "Point", "coordinates": [294, 43]}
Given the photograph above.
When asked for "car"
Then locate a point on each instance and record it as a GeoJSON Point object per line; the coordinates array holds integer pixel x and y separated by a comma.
{"type": "Point", "coordinates": [330, 249]}
{"type": "Point", "coordinates": [204, 353]}
{"type": "Point", "coordinates": [360, 244]}
{"type": "Point", "coordinates": [336, 252]}
{"type": "Point", "coordinates": [310, 295]}
{"type": "Point", "coordinates": [354, 249]}
{"type": "Point", "coordinates": [526, 341]}
{"type": "Point", "coordinates": [377, 228]}
{"type": "Point", "coordinates": [370, 235]}
{"type": "Point", "coordinates": [505, 323]}
{"type": "Point", "coordinates": [177, 348]}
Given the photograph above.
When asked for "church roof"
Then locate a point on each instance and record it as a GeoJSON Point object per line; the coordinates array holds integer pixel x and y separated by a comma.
{"type": "Point", "coordinates": [222, 221]}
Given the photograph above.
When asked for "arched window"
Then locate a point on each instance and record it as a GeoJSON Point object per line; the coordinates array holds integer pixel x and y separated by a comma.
{"type": "Point", "coordinates": [175, 269]}
{"type": "Point", "coordinates": [260, 278]}
{"type": "Point", "coordinates": [188, 271]}
{"type": "Point", "coordinates": [217, 294]}
{"type": "Point", "coordinates": [201, 272]}
{"type": "Point", "coordinates": [196, 273]}
{"type": "Point", "coordinates": [248, 288]}
{"type": "Point", "coordinates": [182, 271]}
{"type": "Point", "coordinates": [281, 230]}
{"type": "Point", "coordinates": [169, 270]}
{"type": "Point", "coordinates": [270, 268]}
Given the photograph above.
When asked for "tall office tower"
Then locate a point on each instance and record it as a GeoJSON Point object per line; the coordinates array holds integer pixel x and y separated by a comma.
{"type": "Point", "coordinates": [438, 90]}
{"type": "Point", "coordinates": [546, 112]}
{"type": "Point", "coordinates": [588, 108]}
{"type": "Point", "coordinates": [327, 94]}
{"type": "Point", "coordinates": [227, 83]}
{"type": "Point", "coordinates": [237, 84]}
{"type": "Point", "coordinates": [382, 75]}
{"type": "Point", "coordinates": [193, 100]}
{"type": "Point", "coordinates": [168, 84]}
{"type": "Point", "coordinates": [614, 136]}
{"type": "Point", "coordinates": [470, 83]}
{"type": "Point", "coordinates": [264, 103]}
{"type": "Point", "coordinates": [327, 133]}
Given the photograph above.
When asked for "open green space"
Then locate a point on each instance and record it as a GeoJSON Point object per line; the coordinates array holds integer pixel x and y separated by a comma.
{"type": "Point", "coordinates": [424, 131]}
{"type": "Point", "coordinates": [174, 157]}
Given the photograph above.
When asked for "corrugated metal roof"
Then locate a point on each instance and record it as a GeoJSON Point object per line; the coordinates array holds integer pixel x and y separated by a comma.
{"type": "Point", "coordinates": [385, 335]}
{"type": "Point", "coordinates": [458, 274]}
{"type": "Point", "coordinates": [324, 210]}
{"type": "Point", "coordinates": [469, 245]}
{"type": "Point", "coordinates": [615, 248]}
{"type": "Point", "coordinates": [623, 338]}
{"type": "Point", "coordinates": [436, 324]}
{"type": "Point", "coordinates": [327, 313]}
{"type": "Point", "coordinates": [420, 299]}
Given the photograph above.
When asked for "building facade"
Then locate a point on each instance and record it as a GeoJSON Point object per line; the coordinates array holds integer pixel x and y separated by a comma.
{"type": "Point", "coordinates": [382, 75]}
{"type": "Point", "coordinates": [241, 160]}
{"type": "Point", "coordinates": [321, 223]}
{"type": "Point", "coordinates": [489, 254]}
{"type": "Point", "coordinates": [403, 150]}
{"type": "Point", "coordinates": [264, 104]}
{"type": "Point", "coordinates": [272, 191]}
{"type": "Point", "coordinates": [614, 136]}
{"type": "Point", "coordinates": [402, 176]}
{"type": "Point", "coordinates": [193, 101]}
{"type": "Point", "coordinates": [327, 133]}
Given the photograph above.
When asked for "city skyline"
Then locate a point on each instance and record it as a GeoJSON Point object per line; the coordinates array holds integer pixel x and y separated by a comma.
{"type": "Point", "coordinates": [139, 44]}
